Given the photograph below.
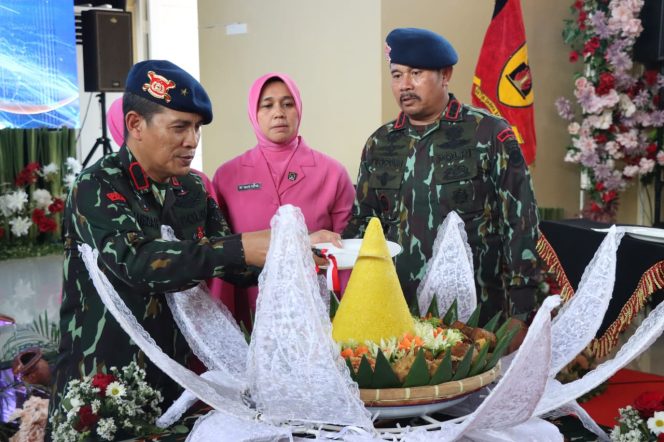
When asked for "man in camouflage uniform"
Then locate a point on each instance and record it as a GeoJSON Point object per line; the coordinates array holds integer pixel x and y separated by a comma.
{"type": "Point", "coordinates": [438, 156]}
{"type": "Point", "coordinates": [118, 205]}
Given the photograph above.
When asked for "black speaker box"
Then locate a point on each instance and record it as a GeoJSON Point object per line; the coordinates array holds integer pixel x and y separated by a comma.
{"type": "Point", "coordinates": [649, 47]}
{"type": "Point", "coordinates": [107, 50]}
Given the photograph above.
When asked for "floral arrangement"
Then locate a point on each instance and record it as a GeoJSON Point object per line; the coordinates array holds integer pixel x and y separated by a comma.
{"type": "Point", "coordinates": [101, 406]}
{"type": "Point", "coordinates": [30, 208]}
{"type": "Point", "coordinates": [641, 421]}
{"type": "Point", "coordinates": [33, 417]}
{"type": "Point", "coordinates": [613, 131]}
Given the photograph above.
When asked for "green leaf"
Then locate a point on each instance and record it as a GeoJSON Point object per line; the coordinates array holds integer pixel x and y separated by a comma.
{"type": "Point", "coordinates": [419, 373]}
{"type": "Point", "coordinates": [452, 314]}
{"type": "Point", "coordinates": [334, 304]}
{"type": "Point", "coordinates": [433, 308]}
{"type": "Point", "coordinates": [501, 347]}
{"type": "Point", "coordinates": [478, 365]}
{"type": "Point", "coordinates": [353, 375]}
{"type": "Point", "coordinates": [464, 367]}
{"type": "Point", "coordinates": [491, 325]}
{"type": "Point", "coordinates": [474, 317]}
{"type": "Point", "coordinates": [444, 371]}
{"type": "Point", "coordinates": [245, 332]}
{"type": "Point", "coordinates": [364, 373]}
{"type": "Point", "coordinates": [502, 329]}
{"type": "Point", "coordinates": [179, 429]}
{"type": "Point", "coordinates": [384, 376]}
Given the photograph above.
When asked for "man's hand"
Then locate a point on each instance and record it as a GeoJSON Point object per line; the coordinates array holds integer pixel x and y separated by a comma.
{"type": "Point", "coordinates": [255, 246]}
{"type": "Point", "coordinates": [520, 335]}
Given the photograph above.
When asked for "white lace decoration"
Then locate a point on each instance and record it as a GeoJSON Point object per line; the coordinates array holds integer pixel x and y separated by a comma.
{"type": "Point", "coordinates": [449, 275]}
{"type": "Point", "coordinates": [294, 368]}
{"type": "Point", "coordinates": [218, 426]}
{"type": "Point", "coordinates": [222, 395]}
{"type": "Point", "coordinates": [512, 402]}
{"type": "Point", "coordinates": [579, 319]}
{"type": "Point", "coordinates": [209, 328]}
{"type": "Point", "coordinates": [558, 395]}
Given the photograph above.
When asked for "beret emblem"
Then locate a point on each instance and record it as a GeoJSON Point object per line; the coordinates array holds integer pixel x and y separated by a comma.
{"type": "Point", "coordinates": [159, 86]}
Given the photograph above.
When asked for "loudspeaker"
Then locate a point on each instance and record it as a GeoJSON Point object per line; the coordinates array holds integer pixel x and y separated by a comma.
{"type": "Point", "coordinates": [649, 47]}
{"type": "Point", "coordinates": [107, 50]}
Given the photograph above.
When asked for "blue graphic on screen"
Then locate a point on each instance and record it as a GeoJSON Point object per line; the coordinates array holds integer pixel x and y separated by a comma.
{"type": "Point", "coordinates": [38, 77]}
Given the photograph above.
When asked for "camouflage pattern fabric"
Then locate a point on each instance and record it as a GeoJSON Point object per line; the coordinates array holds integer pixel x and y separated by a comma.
{"type": "Point", "coordinates": [468, 161]}
{"type": "Point", "coordinates": [116, 209]}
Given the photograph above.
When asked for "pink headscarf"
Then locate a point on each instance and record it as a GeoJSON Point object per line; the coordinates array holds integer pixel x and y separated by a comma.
{"type": "Point", "coordinates": [115, 120]}
{"type": "Point", "coordinates": [255, 95]}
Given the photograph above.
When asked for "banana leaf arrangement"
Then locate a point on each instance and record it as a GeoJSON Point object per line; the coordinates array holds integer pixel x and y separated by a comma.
{"type": "Point", "coordinates": [472, 351]}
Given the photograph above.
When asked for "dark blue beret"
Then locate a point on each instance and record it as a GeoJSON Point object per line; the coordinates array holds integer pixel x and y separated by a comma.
{"type": "Point", "coordinates": [419, 48]}
{"type": "Point", "coordinates": [165, 83]}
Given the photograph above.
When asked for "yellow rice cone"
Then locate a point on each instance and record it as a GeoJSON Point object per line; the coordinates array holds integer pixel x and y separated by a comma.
{"type": "Point", "coordinates": [373, 306]}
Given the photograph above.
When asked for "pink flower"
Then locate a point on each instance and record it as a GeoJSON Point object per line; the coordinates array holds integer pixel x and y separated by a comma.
{"type": "Point", "coordinates": [660, 157]}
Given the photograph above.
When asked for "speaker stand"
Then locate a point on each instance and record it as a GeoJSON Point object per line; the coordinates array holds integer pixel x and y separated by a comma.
{"type": "Point", "coordinates": [103, 141]}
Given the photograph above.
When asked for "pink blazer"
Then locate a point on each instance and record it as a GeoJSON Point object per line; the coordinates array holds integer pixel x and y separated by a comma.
{"type": "Point", "coordinates": [314, 182]}
{"type": "Point", "coordinates": [317, 184]}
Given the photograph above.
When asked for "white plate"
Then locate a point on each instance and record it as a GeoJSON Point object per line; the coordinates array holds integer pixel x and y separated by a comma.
{"type": "Point", "coordinates": [652, 234]}
{"type": "Point", "coordinates": [412, 410]}
{"type": "Point", "coordinates": [347, 255]}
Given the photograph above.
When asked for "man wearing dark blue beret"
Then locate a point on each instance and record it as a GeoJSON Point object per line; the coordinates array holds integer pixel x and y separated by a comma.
{"type": "Point", "coordinates": [438, 156]}
{"type": "Point", "coordinates": [118, 206]}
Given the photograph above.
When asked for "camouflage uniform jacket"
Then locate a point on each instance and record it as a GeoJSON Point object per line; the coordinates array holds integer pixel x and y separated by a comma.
{"type": "Point", "coordinates": [115, 208]}
{"type": "Point", "coordinates": [468, 161]}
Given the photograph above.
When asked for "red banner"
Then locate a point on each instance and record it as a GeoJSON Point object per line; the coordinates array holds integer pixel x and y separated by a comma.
{"type": "Point", "coordinates": [503, 83]}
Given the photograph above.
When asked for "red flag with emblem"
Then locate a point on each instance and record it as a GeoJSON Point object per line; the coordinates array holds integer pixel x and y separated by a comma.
{"type": "Point", "coordinates": [502, 82]}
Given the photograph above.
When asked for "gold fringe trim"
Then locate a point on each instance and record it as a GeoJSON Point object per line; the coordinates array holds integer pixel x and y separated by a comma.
{"type": "Point", "coordinates": [550, 258]}
{"type": "Point", "coordinates": [651, 281]}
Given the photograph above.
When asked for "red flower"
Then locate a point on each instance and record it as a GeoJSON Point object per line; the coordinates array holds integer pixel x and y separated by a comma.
{"type": "Point", "coordinates": [28, 175]}
{"type": "Point", "coordinates": [578, 4]}
{"type": "Point", "coordinates": [591, 46]}
{"type": "Point", "coordinates": [660, 438]}
{"type": "Point", "coordinates": [594, 207]}
{"type": "Point", "coordinates": [101, 381]}
{"type": "Point", "coordinates": [650, 76]}
{"type": "Point", "coordinates": [2, 232]}
{"type": "Point", "coordinates": [582, 20]}
{"type": "Point", "coordinates": [609, 196]}
{"type": "Point", "coordinates": [573, 56]}
{"type": "Point", "coordinates": [599, 186]}
{"type": "Point", "coordinates": [47, 225]}
{"type": "Point", "coordinates": [38, 215]}
{"type": "Point", "coordinates": [57, 206]}
{"type": "Point", "coordinates": [86, 418]}
{"type": "Point", "coordinates": [649, 402]}
{"type": "Point", "coordinates": [601, 138]}
{"type": "Point", "coordinates": [606, 82]}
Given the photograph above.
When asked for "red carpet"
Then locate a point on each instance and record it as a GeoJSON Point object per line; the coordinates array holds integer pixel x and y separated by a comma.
{"type": "Point", "coordinates": [622, 389]}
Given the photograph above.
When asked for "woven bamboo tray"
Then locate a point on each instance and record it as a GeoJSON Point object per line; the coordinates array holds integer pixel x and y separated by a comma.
{"type": "Point", "coordinates": [427, 394]}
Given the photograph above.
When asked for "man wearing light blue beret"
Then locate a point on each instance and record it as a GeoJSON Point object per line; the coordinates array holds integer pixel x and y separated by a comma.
{"type": "Point", "coordinates": [438, 156]}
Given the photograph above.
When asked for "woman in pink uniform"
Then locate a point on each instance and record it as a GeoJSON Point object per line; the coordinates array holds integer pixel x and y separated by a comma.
{"type": "Point", "coordinates": [280, 169]}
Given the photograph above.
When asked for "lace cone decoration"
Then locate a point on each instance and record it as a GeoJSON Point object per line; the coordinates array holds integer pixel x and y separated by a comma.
{"type": "Point", "coordinates": [293, 366]}
{"type": "Point", "coordinates": [373, 306]}
{"type": "Point", "coordinates": [449, 275]}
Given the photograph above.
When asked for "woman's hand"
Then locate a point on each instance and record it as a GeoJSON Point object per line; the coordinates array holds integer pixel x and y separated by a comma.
{"type": "Point", "coordinates": [325, 236]}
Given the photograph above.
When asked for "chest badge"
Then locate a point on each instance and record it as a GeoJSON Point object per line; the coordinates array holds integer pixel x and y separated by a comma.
{"type": "Point", "coordinates": [248, 186]}
{"type": "Point", "coordinates": [292, 176]}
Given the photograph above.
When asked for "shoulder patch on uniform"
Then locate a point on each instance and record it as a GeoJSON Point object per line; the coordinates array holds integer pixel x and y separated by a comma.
{"type": "Point", "coordinates": [115, 196]}
{"type": "Point", "coordinates": [505, 134]}
{"type": "Point", "coordinates": [514, 152]}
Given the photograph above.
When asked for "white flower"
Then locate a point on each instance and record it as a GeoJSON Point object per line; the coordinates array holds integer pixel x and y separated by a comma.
{"type": "Point", "coordinates": [50, 169]}
{"type": "Point", "coordinates": [656, 423]}
{"type": "Point", "coordinates": [15, 201]}
{"type": "Point", "coordinates": [631, 171]}
{"type": "Point", "coordinates": [573, 128]}
{"type": "Point", "coordinates": [660, 157]}
{"type": "Point", "coordinates": [626, 106]}
{"type": "Point", "coordinates": [73, 165]}
{"type": "Point", "coordinates": [115, 389]}
{"type": "Point", "coordinates": [20, 225]}
{"type": "Point", "coordinates": [42, 198]}
{"type": "Point", "coordinates": [646, 166]}
{"type": "Point", "coordinates": [106, 428]}
{"type": "Point", "coordinates": [68, 180]}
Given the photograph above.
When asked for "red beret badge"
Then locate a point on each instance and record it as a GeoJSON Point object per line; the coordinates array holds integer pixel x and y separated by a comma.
{"type": "Point", "coordinates": [159, 86]}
